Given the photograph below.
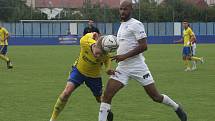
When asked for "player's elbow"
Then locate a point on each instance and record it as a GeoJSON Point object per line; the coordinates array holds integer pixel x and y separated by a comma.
{"type": "Point", "coordinates": [144, 48]}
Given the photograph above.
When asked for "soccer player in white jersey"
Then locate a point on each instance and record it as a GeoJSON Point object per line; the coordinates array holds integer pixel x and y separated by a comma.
{"type": "Point", "coordinates": [132, 43]}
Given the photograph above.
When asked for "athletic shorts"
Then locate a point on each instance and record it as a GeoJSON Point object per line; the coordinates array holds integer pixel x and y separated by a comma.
{"type": "Point", "coordinates": [3, 49]}
{"type": "Point", "coordinates": [186, 51]}
{"type": "Point", "coordinates": [95, 84]}
{"type": "Point", "coordinates": [143, 76]}
{"type": "Point", "coordinates": [193, 49]}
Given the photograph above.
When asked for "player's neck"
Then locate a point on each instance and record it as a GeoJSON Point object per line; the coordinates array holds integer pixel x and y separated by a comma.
{"type": "Point", "coordinates": [127, 19]}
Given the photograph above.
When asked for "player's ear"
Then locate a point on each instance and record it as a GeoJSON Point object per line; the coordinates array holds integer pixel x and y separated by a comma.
{"type": "Point", "coordinates": [95, 36]}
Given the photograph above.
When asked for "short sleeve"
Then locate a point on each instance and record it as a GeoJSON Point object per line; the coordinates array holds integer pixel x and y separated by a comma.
{"type": "Point", "coordinates": [190, 32]}
{"type": "Point", "coordinates": [5, 31]}
{"type": "Point", "coordinates": [138, 30]}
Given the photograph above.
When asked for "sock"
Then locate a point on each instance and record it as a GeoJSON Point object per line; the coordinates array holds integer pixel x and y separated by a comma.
{"type": "Point", "coordinates": [195, 58]}
{"type": "Point", "coordinates": [194, 64]}
{"type": "Point", "coordinates": [104, 108]}
{"type": "Point", "coordinates": [168, 101]}
{"type": "Point", "coordinates": [187, 64]}
{"type": "Point", "coordinates": [60, 104]}
{"type": "Point", "coordinates": [5, 58]}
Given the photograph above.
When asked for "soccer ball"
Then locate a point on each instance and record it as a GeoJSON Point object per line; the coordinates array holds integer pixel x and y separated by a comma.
{"type": "Point", "coordinates": [109, 43]}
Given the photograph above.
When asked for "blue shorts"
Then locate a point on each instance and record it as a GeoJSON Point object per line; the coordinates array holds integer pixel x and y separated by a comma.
{"type": "Point", "coordinates": [187, 51]}
{"type": "Point", "coordinates": [3, 49]}
{"type": "Point", "coordinates": [95, 84]}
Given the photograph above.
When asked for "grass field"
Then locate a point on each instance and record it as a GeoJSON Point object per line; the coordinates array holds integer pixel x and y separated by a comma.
{"type": "Point", "coordinates": [29, 91]}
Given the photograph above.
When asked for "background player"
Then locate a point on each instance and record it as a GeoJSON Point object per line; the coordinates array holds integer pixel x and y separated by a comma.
{"type": "Point", "coordinates": [4, 36]}
{"type": "Point", "coordinates": [132, 42]}
{"type": "Point", "coordinates": [86, 69]}
{"type": "Point", "coordinates": [90, 28]}
{"type": "Point", "coordinates": [193, 50]}
{"type": "Point", "coordinates": [188, 39]}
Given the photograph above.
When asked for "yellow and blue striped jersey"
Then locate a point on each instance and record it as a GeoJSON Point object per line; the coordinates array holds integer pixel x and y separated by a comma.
{"type": "Point", "coordinates": [187, 34]}
{"type": "Point", "coordinates": [3, 33]}
{"type": "Point", "coordinates": [87, 63]}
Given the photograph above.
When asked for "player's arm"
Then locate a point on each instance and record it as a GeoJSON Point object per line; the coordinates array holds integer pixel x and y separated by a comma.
{"type": "Point", "coordinates": [107, 64]}
{"type": "Point", "coordinates": [142, 46]}
{"type": "Point", "coordinates": [139, 32]}
{"type": "Point", "coordinates": [6, 36]}
{"type": "Point", "coordinates": [97, 47]}
{"type": "Point", "coordinates": [192, 37]}
{"type": "Point", "coordinates": [179, 41]}
{"type": "Point", "coordinates": [98, 51]}
{"type": "Point", "coordinates": [6, 33]}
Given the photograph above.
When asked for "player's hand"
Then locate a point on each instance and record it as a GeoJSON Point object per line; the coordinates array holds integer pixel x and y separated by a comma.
{"type": "Point", "coordinates": [118, 58]}
{"type": "Point", "coordinates": [111, 72]}
{"type": "Point", "coordinates": [176, 41]}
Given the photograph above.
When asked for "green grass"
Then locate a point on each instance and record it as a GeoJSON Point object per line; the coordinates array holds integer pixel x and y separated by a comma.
{"type": "Point", "coordinates": [29, 91]}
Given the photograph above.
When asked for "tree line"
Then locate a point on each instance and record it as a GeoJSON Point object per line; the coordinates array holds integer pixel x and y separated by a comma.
{"type": "Point", "coordinates": [146, 11]}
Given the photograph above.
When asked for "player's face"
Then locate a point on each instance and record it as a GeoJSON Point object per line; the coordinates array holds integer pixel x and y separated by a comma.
{"type": "Point", "coordinates": [125, 11]}
{"type": "Point", "coordinates": [90, 23]}
{"type": "Point", "coordinates": [185, 24]}
{"type": "Point", "coordinates": [97, 51]}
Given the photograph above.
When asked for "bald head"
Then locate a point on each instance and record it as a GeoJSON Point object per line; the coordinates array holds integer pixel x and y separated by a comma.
{"type": "Point", "coordinates": [126, 2]}
{"type": "Point", "coordinates": [125, 9]}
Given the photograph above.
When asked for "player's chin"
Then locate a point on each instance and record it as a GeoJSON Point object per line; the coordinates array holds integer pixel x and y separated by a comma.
{"type": "Point", "coordinates": [122, 17]}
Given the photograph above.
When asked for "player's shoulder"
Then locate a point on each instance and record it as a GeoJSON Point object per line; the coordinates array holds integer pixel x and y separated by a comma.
{"type": "Point", "coordinates": [4, 29]}
{"type": "Point", "coordinates": [134, 22]}
{"type": "Point", "coordinates": [86, 36]}
{"type": "Point", "coordinates": [87, 39]}
{"type": "Point", "coordinates": [189, 29]}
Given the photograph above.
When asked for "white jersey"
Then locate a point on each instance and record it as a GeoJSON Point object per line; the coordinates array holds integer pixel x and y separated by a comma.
{"type": "Point", "coordinates": [128, 35]}
{"type": "Point", "coordinates": [134, 67]}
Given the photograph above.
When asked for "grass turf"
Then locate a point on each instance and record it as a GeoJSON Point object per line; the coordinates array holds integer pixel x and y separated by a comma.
{"type": "Point", "coordinates": [29, 91]}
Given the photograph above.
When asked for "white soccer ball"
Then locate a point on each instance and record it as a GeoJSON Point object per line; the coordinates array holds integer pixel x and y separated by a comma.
{"type": "Point", "coordinates": [109, 43]}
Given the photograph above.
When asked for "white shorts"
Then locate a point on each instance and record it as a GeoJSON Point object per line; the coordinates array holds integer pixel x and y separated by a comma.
{"type": "Point", "coordinates": [143, 76]}
{"type": "Point", "coordinates": [194, 49]}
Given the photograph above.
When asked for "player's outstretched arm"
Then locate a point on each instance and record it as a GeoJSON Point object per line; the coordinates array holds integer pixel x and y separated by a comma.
{"type": "Point", "coordinates": [6, 37]}
{"type": "Point", "coordinates": [178, 41]}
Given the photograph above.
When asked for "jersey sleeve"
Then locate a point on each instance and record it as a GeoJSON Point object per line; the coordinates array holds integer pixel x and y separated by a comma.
{"type": "Point", "coordinates": [138, 30]}
{"type": "Point", "coordinates": [190, 32]}
{"type": "Point", "coordinates": [5, 31]}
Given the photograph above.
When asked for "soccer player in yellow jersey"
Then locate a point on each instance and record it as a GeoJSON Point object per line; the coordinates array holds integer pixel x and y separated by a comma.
{"type": "Point", "coordinates": [188, 39]}
{"type": "Point", "coordinates": [4, 35]}
{"type": "Point", "coordinates": [86, 69]}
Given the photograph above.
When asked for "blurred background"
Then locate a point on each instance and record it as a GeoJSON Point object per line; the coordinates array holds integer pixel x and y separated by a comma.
{"type": "Point", "coordinates": [53, 18]}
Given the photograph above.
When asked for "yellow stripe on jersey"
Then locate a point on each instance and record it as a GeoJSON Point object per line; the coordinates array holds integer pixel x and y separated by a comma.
{"type": "Point", "coordinates": [3, 34]}
{"type": "Point", "coordinates": [187, 34]}
{"type": "Point", "coordinates": [86, 63]}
